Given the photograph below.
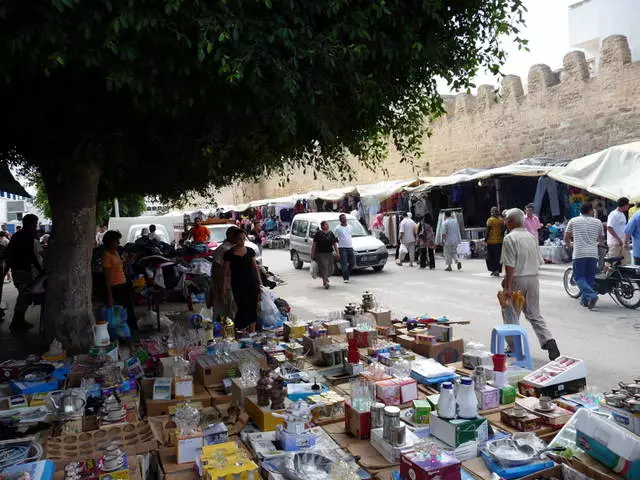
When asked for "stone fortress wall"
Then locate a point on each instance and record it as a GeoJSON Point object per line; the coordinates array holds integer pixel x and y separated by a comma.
{"type": "Point", "coordinates": [563, 114]}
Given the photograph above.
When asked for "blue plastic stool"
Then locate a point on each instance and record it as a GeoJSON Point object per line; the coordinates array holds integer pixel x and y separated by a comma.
{"type": "Point", "coordinates": [521, 349]}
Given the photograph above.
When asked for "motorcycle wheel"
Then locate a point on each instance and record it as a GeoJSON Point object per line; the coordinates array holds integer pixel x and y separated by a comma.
{"type": "Point", "coordinates": [570, 285]}
{"type": "Point", "coordinates": [628, 294]}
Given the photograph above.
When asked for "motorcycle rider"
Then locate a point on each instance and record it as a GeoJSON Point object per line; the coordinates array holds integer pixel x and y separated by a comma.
{"type": "Point", "coordinates": [584, 233]}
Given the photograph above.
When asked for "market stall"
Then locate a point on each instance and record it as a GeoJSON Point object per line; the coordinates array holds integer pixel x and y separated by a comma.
{"type": "Point", "coordinates": [358, 394]}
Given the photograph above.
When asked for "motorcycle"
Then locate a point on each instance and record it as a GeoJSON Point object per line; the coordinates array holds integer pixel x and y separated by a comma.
{"type": "Point", "coordinates": [622, 283]}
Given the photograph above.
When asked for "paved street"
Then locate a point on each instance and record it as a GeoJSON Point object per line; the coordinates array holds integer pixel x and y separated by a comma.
{"type": "Point", "coordinates": [607, 337]}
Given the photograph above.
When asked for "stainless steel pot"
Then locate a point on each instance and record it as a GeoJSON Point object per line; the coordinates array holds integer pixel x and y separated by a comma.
{"type": "Point", "coordinates": [633, 404]}
{"type": "Point", "coordinates": [615, 399]}
{"type": "Point", "coordinates": [632, 388]}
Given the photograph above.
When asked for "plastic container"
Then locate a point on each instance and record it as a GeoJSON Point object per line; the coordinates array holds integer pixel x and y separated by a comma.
{"type": "Point", "coordinates": [467, 401]}
{"type": "Point", "coordinates": [447, 402]}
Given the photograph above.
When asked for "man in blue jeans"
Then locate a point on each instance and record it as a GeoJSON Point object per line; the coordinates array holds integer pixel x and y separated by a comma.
{"type": "Point", "coordinates": [585, 232]}
{"type": "Point", "coordinates": [632, 231]}
{"type": "Point", "coordinates": [345, 247]}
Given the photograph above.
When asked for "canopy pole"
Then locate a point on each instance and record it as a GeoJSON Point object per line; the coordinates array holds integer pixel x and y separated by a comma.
{"type": "Point", "coordinates": [498, 200]}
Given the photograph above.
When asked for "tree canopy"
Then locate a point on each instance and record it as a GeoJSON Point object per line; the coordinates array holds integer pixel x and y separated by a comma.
{"type": "Point", "coordinates": [174, 94]}
{"type": "Point", "coordinates": [107, 98]}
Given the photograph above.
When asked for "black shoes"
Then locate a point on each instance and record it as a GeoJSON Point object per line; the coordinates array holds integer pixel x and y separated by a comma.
{"type": "Point", "coordinates": [552, 348]}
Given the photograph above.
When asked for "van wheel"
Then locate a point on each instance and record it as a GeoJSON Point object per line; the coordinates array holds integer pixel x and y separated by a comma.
{"type": "Point", "coordinates": [378, 268]}
{"type": "Point", "coordinates": [297, 263]}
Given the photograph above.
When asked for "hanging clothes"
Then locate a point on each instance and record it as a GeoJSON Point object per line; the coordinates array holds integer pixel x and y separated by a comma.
{"type": "Point", "coordinates": [547, 186]}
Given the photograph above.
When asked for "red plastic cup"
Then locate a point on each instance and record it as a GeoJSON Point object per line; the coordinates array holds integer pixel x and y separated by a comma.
{"type": "Point", "coordinates": [499, 362]}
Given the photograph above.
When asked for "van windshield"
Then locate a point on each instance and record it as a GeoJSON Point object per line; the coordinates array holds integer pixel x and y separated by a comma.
{"type": "Point", "coordinates": [357, 230]}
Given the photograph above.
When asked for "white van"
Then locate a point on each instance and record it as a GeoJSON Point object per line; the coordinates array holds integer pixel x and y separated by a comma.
{"type": "Point", "coordinates": [131, 227]}
{"type": "Point", "coordinates": [370, 252]}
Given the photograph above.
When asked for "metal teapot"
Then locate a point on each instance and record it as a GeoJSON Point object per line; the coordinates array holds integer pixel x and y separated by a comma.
{"type": "Point", "coordinates": [65, 404]}
{"type": "Point", "coordinates": [632, 388]}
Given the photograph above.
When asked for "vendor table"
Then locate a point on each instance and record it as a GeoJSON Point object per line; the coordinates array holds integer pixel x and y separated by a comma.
{"type": "Point", "coordinates": [555, 253]}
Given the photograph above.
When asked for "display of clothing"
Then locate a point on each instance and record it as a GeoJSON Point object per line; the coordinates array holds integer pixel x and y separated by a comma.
{"type": "Point", "coordinates": [547, 186]}
{"type": "Point", "coordinates": [458, 216]}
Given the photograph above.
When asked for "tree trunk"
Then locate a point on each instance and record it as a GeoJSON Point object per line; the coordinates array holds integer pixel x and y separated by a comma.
{"type": "Point", "coordinates": [68, 308]}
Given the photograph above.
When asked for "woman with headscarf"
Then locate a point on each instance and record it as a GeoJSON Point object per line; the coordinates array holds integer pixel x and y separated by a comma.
{"type": "Point", "coordinates": [377, 227]}
{"type": "Point", "coordinates": [495, 236]}
{"type": "Point", "coordinates": [241, 269]}
{"type": "Point", "coordinates": [427, 242]}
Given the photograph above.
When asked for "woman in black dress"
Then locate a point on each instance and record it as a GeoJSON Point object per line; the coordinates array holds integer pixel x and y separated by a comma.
{"type": "Point", "coordinates": [240, 265]}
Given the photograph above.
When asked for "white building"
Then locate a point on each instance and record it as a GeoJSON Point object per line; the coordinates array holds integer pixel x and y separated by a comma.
{"type": "Point", "coordinates": [591, 21]}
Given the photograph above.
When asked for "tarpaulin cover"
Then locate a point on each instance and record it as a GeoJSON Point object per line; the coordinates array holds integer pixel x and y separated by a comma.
{"type": "Point", "coordinates": [610, 173]}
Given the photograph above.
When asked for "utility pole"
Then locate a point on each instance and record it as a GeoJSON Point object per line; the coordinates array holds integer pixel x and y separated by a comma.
{"type": "Point", "coordinates": [116, 207]}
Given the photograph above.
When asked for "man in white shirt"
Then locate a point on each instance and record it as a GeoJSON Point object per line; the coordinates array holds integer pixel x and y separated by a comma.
{"type": "Point", "coordinates": [152, 234]}
{"type": "Point", "coordinates": [100, 234]}
{"type": "Point", "coordinates": [407, 230]}
{"type": "Point", "coordinates": [584, 233]}
{"type": "Point", "coordinates": [345, 247]}
{"type": "Point", "coordinates": [616, 223]}
{"type": "Point", "coordinates": [521, 259]}
{"type": "Point", "coordinates": [451, 239]}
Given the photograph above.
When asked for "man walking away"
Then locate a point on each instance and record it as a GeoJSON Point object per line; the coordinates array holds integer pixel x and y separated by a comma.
{"type": "Point", "coordinates": [345, 247]}
{"type": "Point", "coordinates": [451, 239]}
{"type": "Point", "coordinates": [532, 223]}
{"type": "Point", "coordinates": [427, 245]}
{"type": "Point", "coordinates": [521, 259]}
{"type": "Point", "coordinates": [495, 236]}
{"type": "Point", "coordinates": [23, 261]}
{"type": "Point", "coordinates": [584, 232]}
{"type": "Point", "coordinates": [407, 231]}
{"type": "Point", "coordinates": [632, 231]}
{"type": "Point", "coordinates": [616, 223]}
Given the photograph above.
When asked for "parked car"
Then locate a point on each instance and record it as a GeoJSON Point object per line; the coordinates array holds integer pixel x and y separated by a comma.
{"type": "Point", "coordinates": [219, 233]}
{"type": "Point", "coordinates": [370, 252]}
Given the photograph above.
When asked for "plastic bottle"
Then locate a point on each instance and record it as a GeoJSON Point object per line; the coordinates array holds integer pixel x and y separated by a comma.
{"type": "Point", "coordinates": [447, 402]}
{"type": "Point", "coordinates": [467, 400]}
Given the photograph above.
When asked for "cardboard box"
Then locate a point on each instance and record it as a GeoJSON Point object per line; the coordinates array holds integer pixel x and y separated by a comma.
{"type": "Point", "coordinates": [443, 333]}
{"type": "Point", "coordinates": [291, 331]}
{"type": "Point", "coordinates": [337, 327]}
{"type": "Point", "coordinates": [397, 391]}
{"type": "Point", "coordinates": [445, 353]}
{"type": "Point", "coordinates": [527, 423]}
{"type": "Point", "coordinates": [216, 433]}
{"type": "Point", "coordinates": [415, 467]}
{"type": "Point", "coordinates": [313, 345]}
{"type": "Point", "coordinates": [263, 416]}
{"type": "Point", "coordinates": [406, 341]}
{"type": "Point", "coordinates": [554, 391]}
{"type": "Point", "coordinates": [421, 411]}
{"type": "Point", "coordinates": [458, 431]}
{"type": "Point", "coordinates": [357, 423]}
{"type": "Point", "coordinates": [488, 397]}
{"type": "Point", "coordinates": [162, 388]}
{"type": "Point", "coordinates": [210, 374]}
{"type": "Point", "coordinates": [624, 418]}
{"type": "Point", "coordinates": [161, 407]}
{"type": "Point", "coordinates": [388, 451]}
{"type": "Point", "coordinates": [239, 392]}
{"type": "Point", "coordinates": [189, 447]}
{"type": "Point", "coordinates": [382, 316]}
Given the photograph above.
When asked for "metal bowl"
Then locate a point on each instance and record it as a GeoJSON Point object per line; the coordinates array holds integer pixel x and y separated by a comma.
{"type": "Point", "coordinates": [37, 372]}
{"type": "Point", "coordinates": [307, 466]}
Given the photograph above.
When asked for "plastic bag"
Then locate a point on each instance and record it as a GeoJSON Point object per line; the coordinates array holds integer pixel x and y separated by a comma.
{"type": "Point", "coordinates": [116, 318]}
{"type": "Point", "coordinates": [403, 250]}
{"type": "Point", "coordinates": [269, 314]}
{"type": "Point", "coordinates": [207, 313]}
{"type": "Point", "coordinates": [314, 269]}
{"type": "Point", "coordinates": [511, 307]}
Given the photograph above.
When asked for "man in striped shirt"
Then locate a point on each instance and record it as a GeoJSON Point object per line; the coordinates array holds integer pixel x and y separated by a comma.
{"type": "Point", "coordinates": [585, 232]}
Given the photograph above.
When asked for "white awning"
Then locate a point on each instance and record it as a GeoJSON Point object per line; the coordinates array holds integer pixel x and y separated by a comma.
{"type": "Point", "coordinates": [331, 195]}
{"type": "Point", "coordinates": [611, 173]}
{"type": "Point", "coordinates": [384, 190]}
